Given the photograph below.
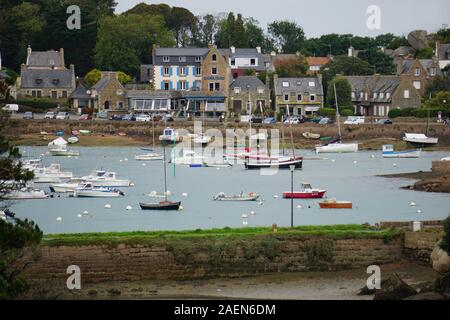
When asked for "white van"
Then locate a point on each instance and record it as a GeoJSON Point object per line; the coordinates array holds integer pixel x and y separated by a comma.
{"type": "Point", "coordinates": [11, 108]}
{"type": "Point", "coordinates": [354, 120]}
{"type": "Point", "coordinates": [246, 118]}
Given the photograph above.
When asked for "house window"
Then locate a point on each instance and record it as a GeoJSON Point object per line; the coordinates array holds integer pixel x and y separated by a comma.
{"type": "Point", "coordinates": [64, 94]}
{"type": "Point", "coordinates": [260, 90]}
{"type": "Point", "coordinates": [166, 59]}
{"type": "Point", "coordinates": [214, 71]}
{"type": "Point", "coordinates": [54, 94]}
{"type": "Point", "coordinates": [120, 105]}
{"type": "Point", "coordinates": [286, 97]}
{"type": "Point", "coordinates": [252, 61]}
{"type": "Point", "coordinates": [285, 84]}
{"type": "Point", "coordinates": [417, 85]}
{"type": "Point", "coordinates": [182, 59]}
{"type": "Point", "coordinates": [233, 62]}
{"type": "Point", "coordinates": [214, 57]}
{"type": "Point", "coordinates": [406, 94]}
{"type": "Point", "coordinates": [375, 95]}
{"type": "Point", "coordinates": [312, 97]}
{"type": "Point", "coordinates": [198, 59]}
{"type": "Point", "coordinates": [38, 81]}
{"type": "Point", "coordinates": [417, 72]}
{"type": "Point", "coordinates": [353, 95]}
{"type": "Point", "coordinates": [433, 72]}
{"type": "Point", "coordinates": [182, 71]}
{"type": "Point", "coordinates": [361, 94]}
{"type": "Point", "coordinates": [381, 95]}
{"type": "Point", "coordinates": [36, 93]}
{"type": "Point", "coordinates": [299, 97]}
{"type": "Point", "coordinates": [211, 86]}
{"type": "Point", "coordinates": [166, 71]}
{"type": "Point", "coordinates": [299, 83]}
{"type": "Point", "coordinates": [148, 72]}
{"type": "Point", "coordinates": [217, 86]}
{"type": "Point", "coordinates": [182, 85]}
{"type": "Point", "coordinates": [388, 95]}
{"type": "Point", "coordinates": [198, 71]}
{"type": "Point", "coordinates": [166, 85]}
{"type": "Point", "coordinates": [237, 90]}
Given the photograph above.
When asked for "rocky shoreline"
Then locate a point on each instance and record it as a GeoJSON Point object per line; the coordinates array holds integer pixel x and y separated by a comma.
{"type": "Point", "coordinates": [428, 181]}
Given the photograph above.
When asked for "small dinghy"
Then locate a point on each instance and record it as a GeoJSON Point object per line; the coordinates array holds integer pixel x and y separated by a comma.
{"type": "Point", "coordinates": [221, 196]}
{"type": "Point", "coordinates": [334, 204]}
{"type": "Point", "coordinates": [309, 135]}
{"type": "Point", "coordinates": [148, 157]}
{"type": "Point", "coordinates": [73, 140]}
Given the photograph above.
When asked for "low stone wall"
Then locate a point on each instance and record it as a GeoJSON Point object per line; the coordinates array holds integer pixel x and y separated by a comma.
{"type": "Point", "coordinates": [420, 244]}
{"type": "Point", "coordinates": [440, 167]}
{"type": "Point", "coordinates": [100, 263]}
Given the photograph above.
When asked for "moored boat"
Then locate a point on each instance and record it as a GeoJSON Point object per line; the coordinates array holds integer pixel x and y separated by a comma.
{"type": "Point", "coordinates": [162, 205]}
{"type": "Point", "coordinates": [419, 140]}
{"type": "Point", "coordinates": [148, 156]}
{"type": "Point", "coordinates": [337, 147]}
{"type": "Point", "coordinates": [306, 192]}
{"type": "Point", "coordinates": [102, 178]}
{"type": "Point", "coordinates": [281, 163]}
{"type": "Point", "coordinates": [25, 193]}
{"type": "Point", "coordinates": [64, 187]}
{"type": "Point", "coordinates": [309, 135]}
{"type": "Point", "coordinates": [334, 204]}
{"type": "Point", "coordinates": [388, 152]}
{"type": "Point", "coordinates": [169, 136]}
{"type": "Point", "coordinates": [251, 196]}
{"type": "Point", "coordinates": [89, 191]}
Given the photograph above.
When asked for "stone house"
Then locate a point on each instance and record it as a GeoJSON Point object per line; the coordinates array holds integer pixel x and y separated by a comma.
{"type": "Point", "coordinates": [303, 96]}
{"type": "Point", "coordinates": [249, 94]}
{"type": "Point", "coordinates": [376, 95]}
{"type": "Point", "coordinates": [245, 61]}
{"type": "Point", "coordinates": [442, 53]}
{"type": "Point", "coordinates": [107, 95]}
{"type": "Point", "coordinates": [421, 72]}
{"type": "Point", "coordinates": [44, 75]}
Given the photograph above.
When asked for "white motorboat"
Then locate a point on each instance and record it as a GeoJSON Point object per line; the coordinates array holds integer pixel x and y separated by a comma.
{"type": "Point", "coordinates": [337, 147]}
{"type": "Point", "coordinates": [388, 152]}
{"type": "Point", "coordinates": [101, 178]}
{"type": "Point", "coordinates": [64, 187]}
{"type": "Point", "coordinates": [221, 196]}
{"type": "Point", "coordinates": [169, 136]}
{"type": "Point", "coordinates": [32, 164]}
{"type": "Point", "coordinates": [189, 157]}
{"type": "Point", "coordinates": [88, 190]}
{"type": "Point", "coordinates": [51, 174]}
{"type": "Point", "coordinates": [26, 193]}
{"type": "Point", "coordinates": [419, 139]}
{"type": "Point", "coordinates": [148, 156]}
{"type": "Point", "coordinates": [58, 147]}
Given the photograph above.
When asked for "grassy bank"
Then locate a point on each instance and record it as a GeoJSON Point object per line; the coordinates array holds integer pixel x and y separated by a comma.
{"type": "Point", "coordinates": [226, 234]}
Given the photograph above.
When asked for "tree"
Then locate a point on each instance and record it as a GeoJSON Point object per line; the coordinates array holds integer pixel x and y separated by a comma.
{"type": "Point", "coordinates": [292, 68]}
{"type": "Point", "coordinates": [93, 76]}
{"type": "Point", "coordinates": [19, 235]}
{"type": "Point", "coordinates": [224, 37]}
{"type": "Point", "coordinates": [380, 62]}
{"type": "Point", "coordinates": [343, 92]}
{"type": "Point", "coordinates": [441, 100]}
{"type": "Point", "coordinates": [440, 83]}
{"type": "Point", "coordinates": [205, 30]}
{"type": "Point", "coordinates": [182, 22]}
{"type": "Point", "coordinates": [287, 36]}
{"type": "Point", "coordinates": [124, 41]}
{"type": "Point", "coordinates": [240, 39]}
{"type": "Point", "coordinates": [256, 36]}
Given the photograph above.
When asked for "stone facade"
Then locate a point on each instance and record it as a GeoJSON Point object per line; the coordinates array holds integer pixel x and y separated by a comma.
{"type": "Point", "coordinates": [420, 72]}
{"type": "Point", "coordinates": [248, 94]}
{"type": "Point", "coordinates": [108, 94]}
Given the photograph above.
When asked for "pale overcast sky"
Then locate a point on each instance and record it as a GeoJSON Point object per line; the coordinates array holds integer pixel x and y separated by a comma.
{"type": "Point", "coordinates": [319, 17]}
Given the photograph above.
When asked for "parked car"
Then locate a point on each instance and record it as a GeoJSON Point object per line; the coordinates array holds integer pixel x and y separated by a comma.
{"type": "Point", "coordinates": [62, 116]}
{"type": "Point", "coordinates": [143, 118]}
{"type": "Point", "coordinates": [294, 120]}
{"type": "Point", "coordinates": [85, 116]}
{"type": "Point", "coordinates": [50, 115]}
{"type": "Point", "coordinates": [167, 118]}
{"type": "Point", "coordinates": [269, 120]}
{"type": "Point", "coordinates": [118, 117]}
{"type": "Point", "coordinates": [256, 120]}
{"type": "Point", "coordinates": [28, 115]}
{"type": "Point", "coordinates": [325, 121]}
{"type": "Point", "coordinates": [316, 119]}
{"type": "Point", "coordinates": [129, 117]}
{"type": "Point", "coordinates": [384, 121]}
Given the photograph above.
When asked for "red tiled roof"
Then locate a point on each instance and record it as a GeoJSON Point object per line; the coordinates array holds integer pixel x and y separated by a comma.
{"type": "Point", "coordinates": [317, 61]}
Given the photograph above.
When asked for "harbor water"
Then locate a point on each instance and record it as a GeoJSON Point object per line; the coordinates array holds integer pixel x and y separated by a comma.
{"type": "Point", "coordinates": [351, 177]}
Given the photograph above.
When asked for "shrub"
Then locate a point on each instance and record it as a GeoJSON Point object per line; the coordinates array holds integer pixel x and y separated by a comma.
{"type": "Point", "coordinates": [347, 113]}
{"type": "Point", "coordinates": [327, 112]}
{"type": "Point", "coordinates": [394, 113]}
{"type": "Point", "coordinates": [37, 103]}
{"type": "Point", "coordinates": [406, 112]}
{"type": "Point", "coordinates": [445, 244]}
{"type": "Point", "coordinates": [423, 112]}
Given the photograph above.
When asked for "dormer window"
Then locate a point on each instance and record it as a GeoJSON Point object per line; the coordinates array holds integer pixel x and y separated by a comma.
{"type": "Point", "coordinates": [381, 95]}
{"type": "Point", "coordinates": [233, 62]}
{"type": "Point", "coordinates": [417, 72]}
{"type": "Point", "coordinates": [299, 83]}
{"type": "Point", "coordinates": [237, 90]}
{"type": "Point", "coordinates": [55, 81]}
{"type": "Point", "coordinates": [166, 59]}
{"type": "Point", "coordinates": [38, 81]}
{"type": "Point", "coordinates": [260, 90]}
{"type": "Point", "coordinates": [51, 62]}
{"type": "Point", "coordinates": [252, 61]}
{"type": "Point", "coordinates": [375, 95]}
{"type": "Point", "coordinates": [182, 59]}
{"type": "Point", "coordinates": [311, 83]}
{"type": "Point", "coordinates": [285, 84]}
{"type": "Point", "coordinates": [198, 59]}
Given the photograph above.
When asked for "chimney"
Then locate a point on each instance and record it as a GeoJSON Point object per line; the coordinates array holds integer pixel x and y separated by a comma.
{"type": "Point", "coordinates": [399, 64]}
{"type": "Point", "coordinates": [61, 53]}
{"type": "Point", "coordinates": [436, 52]}
{"type": "Point", "coordinates": [233, 49]}
{"type": "Point", "coordinates": [28, 53]}
{"type": "Point", "coordinates": [258, 49]}
{"type": "Point", "coordinates": [72, 71]}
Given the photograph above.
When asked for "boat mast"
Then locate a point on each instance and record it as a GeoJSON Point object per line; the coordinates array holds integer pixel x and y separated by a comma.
{"type": "Point", "coordinates": [337, 109]}
{"type": "Point", "coordinates": [290, 128]}
{"type": "Point", "coordinates": [165, 177]}
{"type": "Point", "coordinates": [428, 118]}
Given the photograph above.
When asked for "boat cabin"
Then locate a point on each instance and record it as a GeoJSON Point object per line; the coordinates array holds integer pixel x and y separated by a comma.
{"type": "Point", "coordinates": [388, 148]}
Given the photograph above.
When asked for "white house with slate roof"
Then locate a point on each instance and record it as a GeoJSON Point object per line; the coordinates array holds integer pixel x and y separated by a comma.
{"type": "Point", "coordinates": [44, 75]}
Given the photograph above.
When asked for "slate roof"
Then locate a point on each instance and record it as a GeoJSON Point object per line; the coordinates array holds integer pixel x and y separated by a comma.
{"type": "Point", "coordinates": [146, 94]}
{"type": "Point", "coordinates": [181, 51]}
{"type": "Point", "coordinates": [44, 59]}
{"type": "Point", "coordinates": [371, 84]}
{"type": "Point", "coordinates": [101, 84]}
{"type": "Point", "coordinates": [300, 85]}
{"type": "Point", "coordinates": [426, 64]}
{"type": "Point", "coordinates": [80, 92]}
{"type": "Point", "coordinates": [42, 78]}
{"type": "Point", "coordinates": [252, 82]}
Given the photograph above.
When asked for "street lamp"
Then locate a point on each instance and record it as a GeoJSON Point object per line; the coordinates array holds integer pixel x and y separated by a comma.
{"type": "Point", "coordinates": [292, 168]}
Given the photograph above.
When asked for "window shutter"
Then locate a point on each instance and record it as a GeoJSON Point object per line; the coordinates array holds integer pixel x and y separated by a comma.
{"type": "Point", "coordinates": [171, 85]}
{"type": "Point", "coordinates": [162, 85]}
{"type": "Point", "coordinates": [162, 71]}
{"type": "Point", "coordinates": [187, 71]}
{"type": "Point", "coordinates": [187, 85]}
{"type": "Point", "coordinates": [178, 85]}
{"type": "Point", "coordinates": [170, 71]}
{"type": "Point", "coordinates": [178, 71]}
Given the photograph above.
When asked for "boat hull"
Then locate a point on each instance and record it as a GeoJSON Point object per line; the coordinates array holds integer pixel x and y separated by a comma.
{"type": "Point", "coordinates": [63, 153]}
{"type": "Point", "coordinates": [304, 195]}
{"type": "Point", "coordinates": [336, 205]}
{"type": "Point", "coordinates": [338, 148]}
{"type": "Point", "coordinates": [64, 187]}
{"type": "Point", "coordinates": [26, 195]}
{"type": "Point", "coordinates": [402, 154]}
{"type": "Point", "coordinates": [148, 157]}
{"type": "Point", "coordinates": [96, 194]}
{"type": "Point", "coordinates": [108, 183]}
{"type": "Point", "coordinates": [162, 206]}
{"type": "Point", "coordinates": [298, 163]}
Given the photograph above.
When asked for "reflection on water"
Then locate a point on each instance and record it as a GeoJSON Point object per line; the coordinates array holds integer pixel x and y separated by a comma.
{"type": "Point", "coordinates": [374, 198]}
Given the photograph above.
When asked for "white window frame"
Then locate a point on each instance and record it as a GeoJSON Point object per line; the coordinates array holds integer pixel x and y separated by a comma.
{"type": "Point", "coordinates": [417, 84]}
{"type": "Point", "coordinates": [311, 83]}
{"type": "Point", "coordinates": [168, 71]}
{"type": "Point", "coordinates": [285, 84]}
{"type": "Point", "coordinates": [212, 71]}
{"type": "Point", "coordinates": [406, 94]}
{"type": "Point", "coordinates": [260, 90]}
{"type": "Point", "coordinates": [417, 71]}
{"type": "Point", "coordinates": [299, 95]}
{"type": "Point", "coordinates": [198, 71]}
{"type": "Point", "coordinates": [237, 90]}
{"type": "Point", "coordinates": [198, 59]}
{"type": "Point", "coordinates": [183, 85]}
{"type": "Point", "coordinates": [182, 71]}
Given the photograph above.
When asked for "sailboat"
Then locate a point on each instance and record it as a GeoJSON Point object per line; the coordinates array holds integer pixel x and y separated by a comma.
{"type": "Point", "coordinates": [165, 204]}
{"type": "Point", "coordinates": [336, 145]}
{"type": "Point", "coordinates": [259, 161]}
{"type": "Point", "coordinates": [150, 155]}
